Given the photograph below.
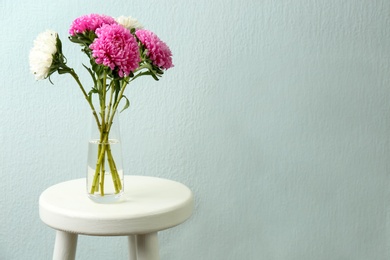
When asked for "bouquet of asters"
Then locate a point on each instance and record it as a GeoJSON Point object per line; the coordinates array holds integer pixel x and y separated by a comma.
{"type": "Point", "coordinates": [119, 51]}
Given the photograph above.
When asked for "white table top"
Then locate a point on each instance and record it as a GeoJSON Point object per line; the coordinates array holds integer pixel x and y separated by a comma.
{"type": "Point", "coordinates": [149, 204]}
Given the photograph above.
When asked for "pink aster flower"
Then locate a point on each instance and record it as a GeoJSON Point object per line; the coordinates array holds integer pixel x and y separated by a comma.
{"type": "Point", "coordinates": [116, 48]}
{"type": "Point", "coordinates": [89, 22]}
{"type": "Point", "coordinates": [158, 51]}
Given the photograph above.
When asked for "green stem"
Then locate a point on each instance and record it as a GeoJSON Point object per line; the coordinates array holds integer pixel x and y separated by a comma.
{"type": "Point", "coordinates": [110, 102]}
{"type": "Point", "coordinates": [114, 172]}
{"type": "Point", "coordinates": [116, 104]}
{"type": "Point", "coordinates": [74, 75]}
{"type": "Point", "coordinates": [100, 171]}
{"type": "Point", "coordinates": [120, 95]}
{"type": "Point", "coordinates": [105, 148]}
{"type": "Point", "coordinates": [102, 175]}
{"type": "Point", "coordinates": [98, 167]}
{"type": "Point", "coordinates": [102, 131]}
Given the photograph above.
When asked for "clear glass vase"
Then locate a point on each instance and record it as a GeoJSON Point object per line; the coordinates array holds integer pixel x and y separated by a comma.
{"type": "Point", "coordinates": [105, 168]}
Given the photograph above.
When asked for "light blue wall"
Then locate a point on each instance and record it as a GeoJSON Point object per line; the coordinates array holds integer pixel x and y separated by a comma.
{"type": "Point", "coordinates": [276, 115]}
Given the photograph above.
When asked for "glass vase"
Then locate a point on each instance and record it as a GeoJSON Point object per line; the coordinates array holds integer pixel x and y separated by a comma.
{"type": "Point", "coordinates": [105, 168]}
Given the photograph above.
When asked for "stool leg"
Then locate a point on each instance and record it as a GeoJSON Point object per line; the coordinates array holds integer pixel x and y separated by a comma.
{"type": "Point", "coordinates": [147, 247]}
{"type": "Point", "coordinates": [65, 246]}
{"type": "Point", "coordinates": [132, 239]}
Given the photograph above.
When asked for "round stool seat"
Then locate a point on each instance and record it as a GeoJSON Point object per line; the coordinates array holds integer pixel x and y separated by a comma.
{"type": "Point", "coordinates": [148, 205]}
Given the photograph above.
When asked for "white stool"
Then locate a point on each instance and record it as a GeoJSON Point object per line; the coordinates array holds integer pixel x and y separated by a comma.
{"type": "Point", "coordinates": [148, 205]}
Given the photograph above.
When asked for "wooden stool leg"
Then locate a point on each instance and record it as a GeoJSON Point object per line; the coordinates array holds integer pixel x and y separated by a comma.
{"type": "Point", "coordinates": [147, 247]}
{"type": "Point", "coordinates": [65, 246]}
{"type": "Point", "coordinates": [132, 240]}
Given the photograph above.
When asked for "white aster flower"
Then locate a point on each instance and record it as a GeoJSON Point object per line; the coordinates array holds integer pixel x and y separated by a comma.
{"type": "Point", "coordinates": [129, 22]}
{"type": "Point", "coordinates": [41, 55]}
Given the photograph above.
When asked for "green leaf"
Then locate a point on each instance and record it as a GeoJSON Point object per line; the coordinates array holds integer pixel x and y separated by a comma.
{"type": "Point", "coordinates": [117, 85]}
{"type": "Point", "coordinates": [154, 76]}
{"type": "Point", "coordinates": [91, 73]}
{"type": "Point", "coordinates": [146, 73]}
{"type": "Point", "coordinates": [94, 91]}
{"type": "Point", "coordinates": [58, 44]}
{"type": "Point", "coordinates": [90, 97]}
{"type": "Point", "coordinates": [61, 71]}
{"type": "Point", "coordinates": [126, 105]}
